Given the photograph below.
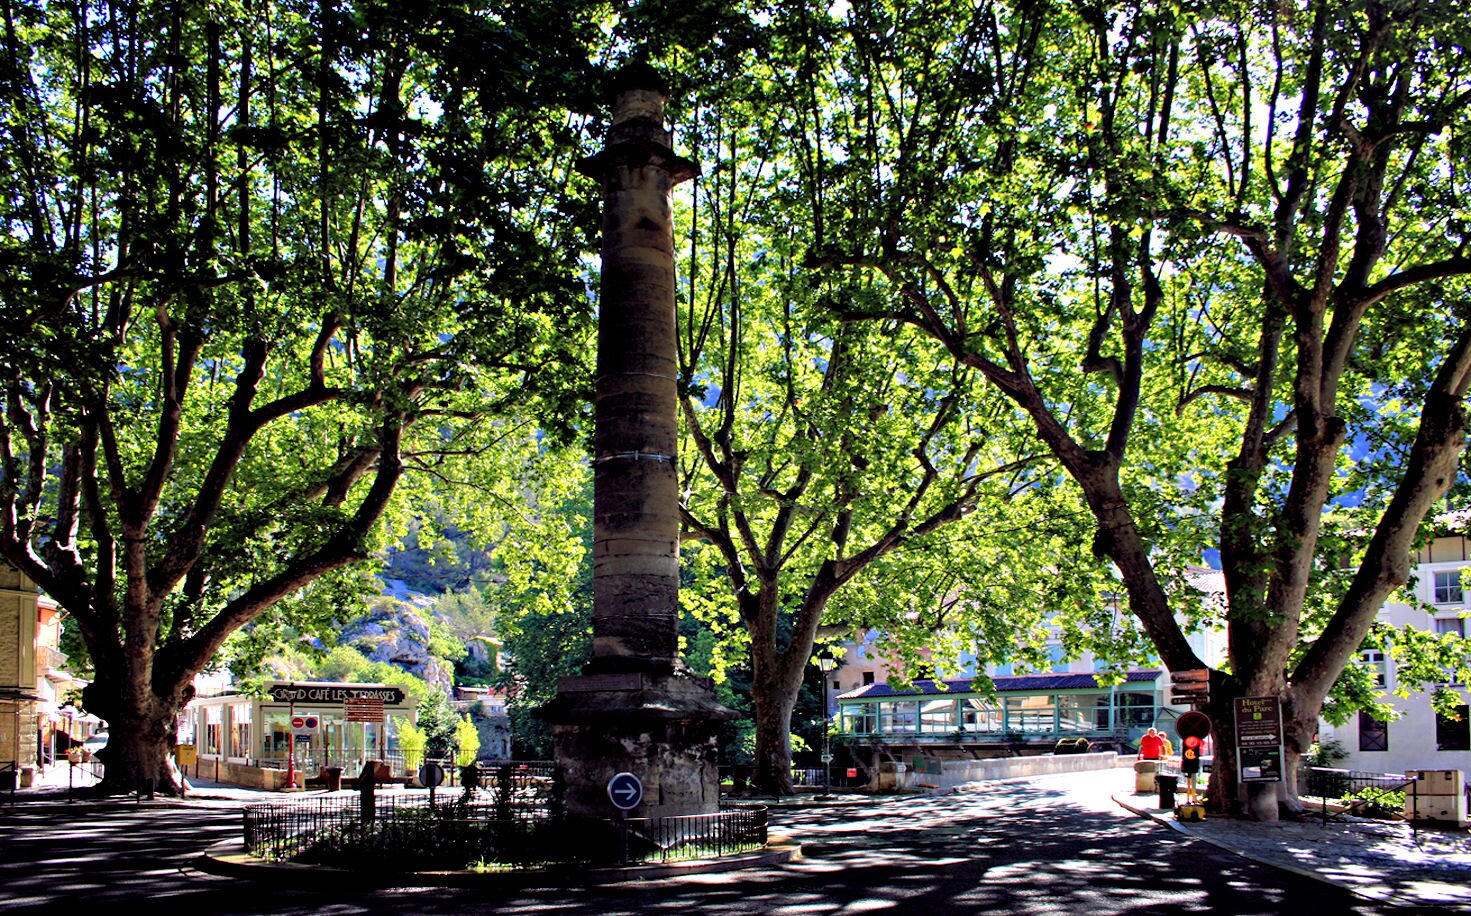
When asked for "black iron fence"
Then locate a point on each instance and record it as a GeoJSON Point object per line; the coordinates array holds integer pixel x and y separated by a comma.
{"type": "Point", "coordinates": [1379, 794]}
{"type": "Point", "coordinates": [406, 832]}
{"type": "Point", "coordinates": [695, 836]}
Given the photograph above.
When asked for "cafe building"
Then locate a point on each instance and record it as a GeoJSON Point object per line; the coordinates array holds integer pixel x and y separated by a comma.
{"type": "Point", "coordinates": [248, 739]}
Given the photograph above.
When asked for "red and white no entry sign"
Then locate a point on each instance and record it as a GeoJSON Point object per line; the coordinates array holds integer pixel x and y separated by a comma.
{"type": "Point", "coordinates": [298, 722]}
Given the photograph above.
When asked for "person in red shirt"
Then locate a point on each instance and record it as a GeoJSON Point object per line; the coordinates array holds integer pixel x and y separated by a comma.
{"type": "Point", "coordinates": [1151, 746]}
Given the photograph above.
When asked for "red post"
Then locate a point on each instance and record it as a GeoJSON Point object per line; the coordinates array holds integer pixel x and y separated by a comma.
{"type": "Point", "coordinates": [291, 747]}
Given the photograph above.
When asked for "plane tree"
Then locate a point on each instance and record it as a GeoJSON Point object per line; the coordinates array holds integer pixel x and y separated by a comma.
{"type": "Point", "coordinates": [835, 475]}
{"type": "Point", "coordinates": [264, 269]}
{"type": "Point", "coordinates": [1217, 256]}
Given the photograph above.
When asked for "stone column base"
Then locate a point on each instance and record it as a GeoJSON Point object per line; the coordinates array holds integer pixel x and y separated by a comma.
{"type": "Point", "coordinates": [659, 727]}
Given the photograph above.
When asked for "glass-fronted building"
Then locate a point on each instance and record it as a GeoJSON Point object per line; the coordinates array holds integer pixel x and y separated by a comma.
{"type": "Point", "coordinates": [1035, 709]}
{"type": "Point", "coordinates": [238, 737]}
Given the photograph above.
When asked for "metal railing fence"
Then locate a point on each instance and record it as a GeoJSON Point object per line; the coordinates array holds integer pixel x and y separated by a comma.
{"type": "Point", "coordinates": [1357, 788]}
{"type": "Point", "coordinates": [405, 833]}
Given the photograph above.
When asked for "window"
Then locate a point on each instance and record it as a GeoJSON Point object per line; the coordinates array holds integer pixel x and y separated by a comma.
{"type": "Point", "coordinates": [1134, 710]}
{"type": "Point", "coordinates": [1453, 625]}
{"type": "Point", "coordinates": [240, 731]}
{"type": "Point", "coordinates": [899, 718]}
{"type": "Point", "coordinates": [837, 685]}
{"type": "Point", "coordinates": [867, 678]}
{"type": "Point", "coordinates": [1031, 714]}
{"type": "Point", "coordinates": [1075, 714]}
{"type": "Point", "coordinates": [1374, 659]}
{"type": "Point", "coordinates": [1448, 587]}
{"type": "Point", "coordinates": [978, 715]}
{"type": "Point", "coordinates": [1056, 656]}
{"type": "Point", "coordinates": [938, 717]}
{"type": "Point", "coordinates": [1454, 734]}
{"type": "Point", "coordinates": [859, 719]}
{"type": "Point", "coordinates": [213, 726]}
{"type": "Point", "coordinates": [1373, 734]}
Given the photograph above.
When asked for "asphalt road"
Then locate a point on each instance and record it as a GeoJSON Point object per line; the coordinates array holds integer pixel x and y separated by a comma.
{"type": "Point", "coordinates": [1051, 845]}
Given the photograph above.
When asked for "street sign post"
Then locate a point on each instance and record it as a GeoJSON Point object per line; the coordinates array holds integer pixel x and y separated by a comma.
{"type": "Point", "coordinates": [431, 774]}
{"type": "Point", "coordinates": [1191, 687]}
{"type": "Point", "coordinates": [1259, 739]}
{"type": "Point", "coordinates": [625, 791]}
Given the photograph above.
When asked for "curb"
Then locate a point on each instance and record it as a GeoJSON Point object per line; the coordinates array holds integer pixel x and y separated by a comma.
{"type": "Point", "coordinates": [1368, 895]}
{"type": "Point", "coordinates": [230, 859]}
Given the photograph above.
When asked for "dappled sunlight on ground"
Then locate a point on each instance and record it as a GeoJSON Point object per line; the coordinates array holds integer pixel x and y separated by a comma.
{"type": "Point", "coordinates": [1050, 845]}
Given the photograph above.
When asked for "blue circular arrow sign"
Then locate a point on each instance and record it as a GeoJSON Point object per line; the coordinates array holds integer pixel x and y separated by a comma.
{"type": "Point", "coordinates": [626, 791]}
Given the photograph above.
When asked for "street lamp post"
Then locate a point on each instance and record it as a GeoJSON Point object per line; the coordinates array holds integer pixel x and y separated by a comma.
{"type": "Point", "coordinates": [826, 664]}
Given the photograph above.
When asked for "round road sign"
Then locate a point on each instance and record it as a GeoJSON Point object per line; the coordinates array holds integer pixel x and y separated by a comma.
{"type": "Point", "coordinates": [1193, 724]}
{"type": "Point", "coordinates": [626, 791]}
{"type": "Point", "coordinates": [298, 722]}
{"type": "Point", "coordinates": [431, 774]}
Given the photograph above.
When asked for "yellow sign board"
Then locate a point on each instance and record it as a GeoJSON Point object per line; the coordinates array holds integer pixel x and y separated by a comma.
{"type": "Point", "coordinates": [186, 754]}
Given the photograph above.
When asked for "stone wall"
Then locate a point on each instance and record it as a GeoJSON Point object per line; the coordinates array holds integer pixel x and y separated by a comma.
{"type": "Point", "coordinates": [954, 772]}
{"type": "Point", "coordinates": [239, 774]}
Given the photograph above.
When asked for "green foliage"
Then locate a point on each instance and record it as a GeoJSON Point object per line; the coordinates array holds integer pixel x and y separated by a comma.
{"type": "Point", "coordinates": [412, 740]}
{"type": "Point", "coordinates": [342, 664]}
{"type": "Point", "coordinates": [467, 742]}
{"type": "Point", "coordinates": [1239, 335]}
{"type": "Point", "coordinates": [439, 720]}
{"type": "Point", "coordinates": [1376, 803]}
{"type": "Point", "coordinates": [1326, 754]}
{"type": "Point", "coordinates": [543, 592]}
{"type": "Point", "coordinates": [273, 274]}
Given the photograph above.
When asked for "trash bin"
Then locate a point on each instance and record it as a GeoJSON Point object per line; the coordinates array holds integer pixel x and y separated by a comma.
{"type": "Point", "coordinates": [1144, 771]}
{"type": "Point", "coordinates": [332, 776]}
{"type": "Point", "coordinates": [1167, 786]}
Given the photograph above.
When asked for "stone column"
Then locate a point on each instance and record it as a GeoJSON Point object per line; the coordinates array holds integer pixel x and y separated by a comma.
{"type": "Point", "coordinates": [635, 490]}
{"type": "Point", "coordinates": [635, 708]}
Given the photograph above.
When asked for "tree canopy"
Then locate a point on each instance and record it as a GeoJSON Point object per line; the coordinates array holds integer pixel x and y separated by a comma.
{"type": "Point", "coordinates": [262, 264]}
{"type": "Point", "coordinates": [1216, 256]}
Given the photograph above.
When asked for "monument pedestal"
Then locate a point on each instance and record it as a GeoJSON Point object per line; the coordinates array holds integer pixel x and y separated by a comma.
{"type": "Point", "coordinates": [661, 727]}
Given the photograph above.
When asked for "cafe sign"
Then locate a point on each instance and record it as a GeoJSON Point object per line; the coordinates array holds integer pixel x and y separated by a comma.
{"type": "Point", "coordinates": [334, 693]}
{"type": "Point", "coordinates": [1259, 739]}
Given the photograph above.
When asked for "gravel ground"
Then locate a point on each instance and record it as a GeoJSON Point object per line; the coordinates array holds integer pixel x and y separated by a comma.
{"type": "Point", "coordinates": [1383, 860]}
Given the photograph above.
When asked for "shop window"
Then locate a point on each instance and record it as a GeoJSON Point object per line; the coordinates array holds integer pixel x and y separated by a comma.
{"type": "Point", "coordinates": [213, 729]}
{"type": "Point", "coordinates": [1453, 733]}
{"type": "Point", "coordinates": [240, 731]}
{"type": "Point", "coordinates": [901, 718]}
{"type": "Point", "coordinates": [1031, 714]}
{"type": "Point", "coordinates": [1373, 734]}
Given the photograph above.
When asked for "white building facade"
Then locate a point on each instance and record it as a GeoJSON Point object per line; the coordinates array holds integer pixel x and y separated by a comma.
{"type": "Point", "coordinates": [1418, 739]}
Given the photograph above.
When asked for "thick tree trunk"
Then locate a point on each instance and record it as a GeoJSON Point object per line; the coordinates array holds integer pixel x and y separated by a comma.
{"type": "Point", "coordinates": [140, 745]}
{"type": "Point", "coordinates": [773, 763]}
{"type": "Point", "coordinates": [776, 679]}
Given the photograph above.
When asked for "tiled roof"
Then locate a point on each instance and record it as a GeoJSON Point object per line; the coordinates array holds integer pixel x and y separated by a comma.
{"type": "Point", "coordinates": [1019, 683]}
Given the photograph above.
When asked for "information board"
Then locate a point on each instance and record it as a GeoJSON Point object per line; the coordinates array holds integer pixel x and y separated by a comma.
{"type": "Point", "coordinates": [1259, 739]}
